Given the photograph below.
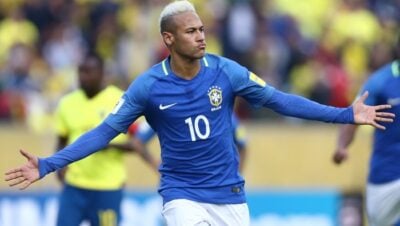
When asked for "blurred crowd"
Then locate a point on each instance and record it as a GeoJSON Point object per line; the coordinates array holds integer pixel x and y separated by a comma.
{"type": "Point", "coordinates": [320, 49]}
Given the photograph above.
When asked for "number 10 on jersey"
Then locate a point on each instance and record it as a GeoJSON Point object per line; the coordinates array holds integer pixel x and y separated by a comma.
{"type": "Point", "coordinates": [194, 128]}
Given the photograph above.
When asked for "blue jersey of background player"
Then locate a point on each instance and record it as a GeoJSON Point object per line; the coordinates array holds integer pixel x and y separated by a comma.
{"type": "Point", "coordinates": [188, 100]}
{"type": "Point", "coordinates": [145, 133]}
{"type": "Point", "coordinates": [383, 188]}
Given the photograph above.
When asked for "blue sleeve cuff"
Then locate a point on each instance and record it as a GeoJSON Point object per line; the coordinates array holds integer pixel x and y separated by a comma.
{"type": "Point", "coordinates": [44, 168]}
{"type": "Point", "coordinates": [349, 115]}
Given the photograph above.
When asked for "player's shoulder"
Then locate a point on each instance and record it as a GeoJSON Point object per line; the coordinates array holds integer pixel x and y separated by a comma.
{"type": "Point", "coordinates": [386, 71]}
{"type": "Point", "coordinates": [113, 90]}
{"type": "Point", "coordinates": [216, 61]}
{"type": "Point", "coordinates": [151, 75]}
{"type": "Point", "coordinates": [380, 77]}
{"type": "Point", "coordinates": [72, 96]}
{"type": "Point", "coordinates": [226, 66]}
{"type": "Point", "coordinates": [157, 71]}
{"type": "Point", "coordinates": [72, 100]}
{"type": "Point", "coordinates": [144, 81]}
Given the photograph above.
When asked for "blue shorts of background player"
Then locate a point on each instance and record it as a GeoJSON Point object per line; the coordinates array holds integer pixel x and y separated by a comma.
{"type": "Point", "coordinates": [101, 208]}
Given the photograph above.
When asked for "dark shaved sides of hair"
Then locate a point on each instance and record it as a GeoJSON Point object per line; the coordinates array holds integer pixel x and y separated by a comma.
{"type": "Point", "coordinates": [167, 24]}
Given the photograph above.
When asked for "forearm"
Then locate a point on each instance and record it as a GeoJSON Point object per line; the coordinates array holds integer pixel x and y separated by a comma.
{"type": "Point", "coordinates": [126, 147]}
{"type": "Point", "coordinates": [346, 136]}
{"type": "Point", "coordinates": [88, 143]}
{"type": "Point", "coordinates": [242, 160]}
{"type": "Point", "coordinates": [146, 156]}
{"type": "Point", "coordinates": [144, 153]}
{"type": "Point", "coordinates": [300, 107]}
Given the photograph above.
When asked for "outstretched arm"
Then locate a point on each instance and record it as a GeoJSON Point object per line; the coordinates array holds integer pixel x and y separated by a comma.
{"type": "Point", "coordinates": [358, 113]}
{"type": "Point", "coordinates": [345, 138]}
{"type": "Point", "coordinates": [37, 168]}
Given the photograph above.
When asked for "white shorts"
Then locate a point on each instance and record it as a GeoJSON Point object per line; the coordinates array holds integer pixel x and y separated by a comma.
{"type": "Point", "coordinates": [183, 212]}
{"type": "Point", "coordinates": [383, 203]}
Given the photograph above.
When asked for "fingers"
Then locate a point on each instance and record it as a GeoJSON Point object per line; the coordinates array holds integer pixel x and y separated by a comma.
{"type": "Point", "coordinates": [17, 181]}
{"type": "Point", "coordinates": [25, 185]}
{"type": "Point", "coordinates": [363, 97]}
{"type": "Point", "coordinates": [13, 171]}
{"type": "Point", "coordinates": [382, 107]}
{"type": "Point", "coordinates": [378, 126]}
{"type": "Point", "coordinates": [15, 177]}
{"type": "Point", "coordinates": [13, 174]}
{"type": "Point", "coordinates": [382, 116]}
{"type": "Point", "coordinates": [383, 119]}
{"type": "Point", "coordinates": [386, 114]}
{"type": "Point", "coordinates": [25, 154]}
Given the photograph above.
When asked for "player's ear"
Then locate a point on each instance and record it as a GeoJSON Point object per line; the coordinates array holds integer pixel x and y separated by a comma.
{"type": "Point", "coordinates": [168, 38]}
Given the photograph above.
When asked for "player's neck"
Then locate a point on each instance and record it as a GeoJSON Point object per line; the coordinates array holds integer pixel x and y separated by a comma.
{"type": "Point", "coordinates": [92, 92]}
{"type": "Point", "coordinates": [185, 68]}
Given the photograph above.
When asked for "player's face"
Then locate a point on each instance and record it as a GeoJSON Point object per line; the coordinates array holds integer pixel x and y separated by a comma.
{"type": "Point", "coordinates": [90, 76]}
{"type": "Point", "coordinates": [188, 39]}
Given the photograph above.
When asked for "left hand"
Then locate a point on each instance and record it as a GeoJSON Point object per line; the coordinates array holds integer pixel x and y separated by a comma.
{"type": "Point", "coordinates": [370, 115]}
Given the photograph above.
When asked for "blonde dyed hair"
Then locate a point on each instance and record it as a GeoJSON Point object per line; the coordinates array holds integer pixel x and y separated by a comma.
{"type": "Point", "coordinates": [172, 9]}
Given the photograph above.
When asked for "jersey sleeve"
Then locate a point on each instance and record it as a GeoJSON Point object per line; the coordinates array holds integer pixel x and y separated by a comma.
{"type": "Point", "coordinates": [130, 106]}
{"type": "Point", "coordinates": [90, 142]}
{"type": "Point", "coordinates": [247, 84]}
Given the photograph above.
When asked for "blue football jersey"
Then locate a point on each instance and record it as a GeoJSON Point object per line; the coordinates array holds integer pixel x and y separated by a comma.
{"type": "Point", "coordinates": [384, 88]}
{"type": "Point", "coordinates": [239, 134]}
{"type": "Point", "coordinates": [145, 133]}
{"type": "Point", "coordinates": [193, 121]}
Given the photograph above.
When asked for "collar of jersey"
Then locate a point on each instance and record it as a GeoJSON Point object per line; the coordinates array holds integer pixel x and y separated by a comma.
{"type": "Point", "coordinates": [167, 68]}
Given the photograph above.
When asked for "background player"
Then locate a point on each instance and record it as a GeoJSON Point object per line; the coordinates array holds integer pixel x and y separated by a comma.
{"type": "Point", "coordinates": [93, 186]}
{"type": "Point", "coordinates": [383, 187]}
{"type": "Point", "coordinates": [188, 100]}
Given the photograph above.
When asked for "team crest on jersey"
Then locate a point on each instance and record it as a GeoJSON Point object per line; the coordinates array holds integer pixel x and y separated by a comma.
{"type": "Point", "coordinates": [215, 96]}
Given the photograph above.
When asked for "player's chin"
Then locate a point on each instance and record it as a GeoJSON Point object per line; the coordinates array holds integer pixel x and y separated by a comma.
{"type": "Point", "coordinates": [200, 54]}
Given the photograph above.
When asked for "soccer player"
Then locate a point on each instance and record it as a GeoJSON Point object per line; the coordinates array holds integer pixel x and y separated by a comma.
{"type": "Point", "coordinates": [383, 187]}
{"type": "Point", "coordinates": [92, 188]}
{"type": "Point", "coordinates": [188, 100]}
{"type": "Point", "coordinates": [145, 133]}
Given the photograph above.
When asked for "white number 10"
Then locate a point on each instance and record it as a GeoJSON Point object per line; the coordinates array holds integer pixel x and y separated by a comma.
{"type": "Point", "coordinates": [195, 130]}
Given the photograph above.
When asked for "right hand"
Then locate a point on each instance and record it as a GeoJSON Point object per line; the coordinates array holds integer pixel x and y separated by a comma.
{"type": "Point", "coordinates": [371, 115]}
{"type": "Point", "coordinates": [26, 174]}
{"type": "Point", "coordinates": [340, 155]}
